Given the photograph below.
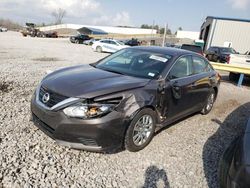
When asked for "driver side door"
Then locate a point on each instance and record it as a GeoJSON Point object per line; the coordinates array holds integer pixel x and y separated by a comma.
{"type": "Point", "coordinates": [179, 89]}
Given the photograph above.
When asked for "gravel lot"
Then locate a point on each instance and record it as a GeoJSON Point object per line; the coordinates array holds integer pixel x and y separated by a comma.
{"type": "Point", "coordinates": [185, 154]}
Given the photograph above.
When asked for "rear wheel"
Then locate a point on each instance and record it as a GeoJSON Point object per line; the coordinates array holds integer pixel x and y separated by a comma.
{"type": "Point", "coordinates": [140, 131]}
{"type": "Point", "coordinates": [99, 49]}
{"type": "Point", "coordinates": [209, 103]}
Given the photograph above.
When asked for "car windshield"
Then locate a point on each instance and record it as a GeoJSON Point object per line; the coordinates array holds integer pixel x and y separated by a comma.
{"type": "Point", "coordinates": [228, 50]}
{"type": "Point", "coordinates": [135, 62]}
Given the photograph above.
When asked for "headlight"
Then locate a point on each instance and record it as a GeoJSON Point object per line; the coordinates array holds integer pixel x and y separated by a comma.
{"type": "Point", "coordinates": [86, 111]}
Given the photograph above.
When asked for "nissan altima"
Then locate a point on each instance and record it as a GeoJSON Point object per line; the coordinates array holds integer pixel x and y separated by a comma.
{"type": "Point", "coordinates": [123, 99]}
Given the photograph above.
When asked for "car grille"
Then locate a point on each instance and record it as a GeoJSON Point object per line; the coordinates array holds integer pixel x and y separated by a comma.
{"type": "Point", "coordinates": [53, 99]}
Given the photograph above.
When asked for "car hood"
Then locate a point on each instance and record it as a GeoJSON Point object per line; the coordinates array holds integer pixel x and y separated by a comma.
{"type": "Point", "coordinates": [87, 82]}
{"type": "Point", "coordinates": [225, 53]}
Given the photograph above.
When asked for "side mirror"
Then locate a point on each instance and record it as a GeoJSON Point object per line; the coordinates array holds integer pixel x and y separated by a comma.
{"type": "Point", "coordinates": [161, 83]}
{"type": "Point", "coordinates": [176, 89]}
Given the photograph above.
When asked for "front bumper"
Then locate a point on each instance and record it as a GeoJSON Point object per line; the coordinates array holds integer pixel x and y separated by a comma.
{"type": "Point", "coordinates": [99, 134]}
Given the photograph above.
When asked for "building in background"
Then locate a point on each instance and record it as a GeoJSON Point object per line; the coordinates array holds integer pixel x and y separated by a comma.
{"type": "Point", "coordinates": [98, 30]}
{"type": "Point", "coordinates": [188, 35]}
{"type": "Point", "coordinates": [227, 32]}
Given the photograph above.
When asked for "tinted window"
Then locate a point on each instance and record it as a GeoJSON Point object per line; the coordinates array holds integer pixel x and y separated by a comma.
{"type": "Point", "coordinates": [200, 65]}
{"type": "Point", "coordinates": [227, 50]}
{"type": "Point", "coordinates": [182, 68]}
{"type": "Point", "coordinates": [112, 42]}
{"type": "Point", "coordinates": [105, 41]}
{"type": "Point", "coordinates": [136, 63]}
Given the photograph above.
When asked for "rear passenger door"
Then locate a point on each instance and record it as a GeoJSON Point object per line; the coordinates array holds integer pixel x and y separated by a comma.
{"type": "Point", "coordinates": [203, 76]}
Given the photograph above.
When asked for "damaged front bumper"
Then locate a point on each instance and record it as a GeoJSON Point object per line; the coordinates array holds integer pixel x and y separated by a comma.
{"type": "Point", "coordinates": [99, 134]}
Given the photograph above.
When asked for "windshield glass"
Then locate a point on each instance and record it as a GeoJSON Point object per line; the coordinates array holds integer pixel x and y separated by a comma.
{"type": "Point", "coordinates": [134, 62]}
{"type": "Point", "coordinates": [228, 50]}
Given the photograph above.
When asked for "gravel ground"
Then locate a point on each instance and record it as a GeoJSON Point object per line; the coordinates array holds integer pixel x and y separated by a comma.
{"type": "Point", "coordinates": [185, 154]}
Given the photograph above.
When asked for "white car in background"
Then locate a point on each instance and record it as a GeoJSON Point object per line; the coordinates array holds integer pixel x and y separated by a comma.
{"type": "Point", "coordinates": [3, 29]}
{"type": "Point", "coordinates": [108, 45]}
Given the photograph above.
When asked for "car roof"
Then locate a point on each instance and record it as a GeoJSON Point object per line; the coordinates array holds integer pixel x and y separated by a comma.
{"type": "Point", "coordinates": [193, 45]}
{"type": "Point", "coordinates": [165, 50]}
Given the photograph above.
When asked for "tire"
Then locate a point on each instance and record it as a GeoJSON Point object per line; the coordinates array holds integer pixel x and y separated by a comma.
{"type": "Point", "coordinates": [99, 49]}
{"type": "Point", "coordinates": [233, 76]}
{"type": "Point", "coordinates": [209, 58]}
{"type": "Point", "coordinates": [209, 103]}
{"type": "Point", "coordinates": [215, 59]}
{"type": "Point", "coordinates": [139, 134]}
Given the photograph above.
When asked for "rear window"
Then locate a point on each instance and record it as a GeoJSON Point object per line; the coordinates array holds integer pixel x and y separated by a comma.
{"type": "Point", "coordinates": [228, 50]}
{"type": "Point", "coordinates": [192, 48]}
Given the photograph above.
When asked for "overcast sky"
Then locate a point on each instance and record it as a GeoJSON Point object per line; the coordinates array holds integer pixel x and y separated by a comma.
{"type": "Point", "coordinates": [186, 13]}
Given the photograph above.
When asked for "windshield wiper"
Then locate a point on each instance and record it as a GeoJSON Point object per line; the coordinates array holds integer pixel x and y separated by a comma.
{"type": "Point", "coordinates": [92, 65]}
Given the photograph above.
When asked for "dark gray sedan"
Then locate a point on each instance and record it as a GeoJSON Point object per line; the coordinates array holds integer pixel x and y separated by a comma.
{"type": "Point", "coordinates": [122, 99]}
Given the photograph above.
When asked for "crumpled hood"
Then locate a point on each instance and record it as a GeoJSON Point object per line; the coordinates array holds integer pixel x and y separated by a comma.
{"type": "Point", "coordinates": [86, 81]}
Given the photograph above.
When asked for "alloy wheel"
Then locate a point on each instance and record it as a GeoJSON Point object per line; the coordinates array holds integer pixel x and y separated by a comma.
{"type": "Point", "coordinates": [142, 130]}
{"type": "Point", "coordinates": [210, 102]}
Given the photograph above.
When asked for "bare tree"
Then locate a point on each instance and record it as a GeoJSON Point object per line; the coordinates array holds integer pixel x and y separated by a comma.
{"type": "Point", "coordinates": [58, 15]}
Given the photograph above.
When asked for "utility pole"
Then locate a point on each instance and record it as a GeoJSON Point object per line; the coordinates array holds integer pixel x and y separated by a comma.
{"type": "Point", "coordinates": [165, 34]}
{"type": "Point", "coordinates": [152, 29]}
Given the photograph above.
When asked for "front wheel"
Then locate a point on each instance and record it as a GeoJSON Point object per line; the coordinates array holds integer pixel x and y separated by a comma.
{"type": "Point", "coordinates": [209, 103]}
{"type": "Point", "coordinates": [140, 131]}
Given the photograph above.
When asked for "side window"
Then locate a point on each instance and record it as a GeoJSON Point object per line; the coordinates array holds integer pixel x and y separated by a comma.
{"type": "Point", "coordinates": [182, 68]}
{"type": "Point", "coordinates": [112, 42]}
{"type": "Point", "coordinates": [104, 41]}
{"type": "Point", "coordinates": [200, 65]}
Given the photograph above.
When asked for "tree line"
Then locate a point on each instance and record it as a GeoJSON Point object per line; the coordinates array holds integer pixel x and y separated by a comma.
{"type": "Point", "coordinates": [160, 30]}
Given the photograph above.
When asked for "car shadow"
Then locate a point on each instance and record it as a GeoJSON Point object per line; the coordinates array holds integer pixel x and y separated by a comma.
{"type": "Point", "coordinates": [233, 126]}
{"type": "Point", "coordinates": [164, 128]}
{"type": "Point", "coordinates": [155, 177]}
